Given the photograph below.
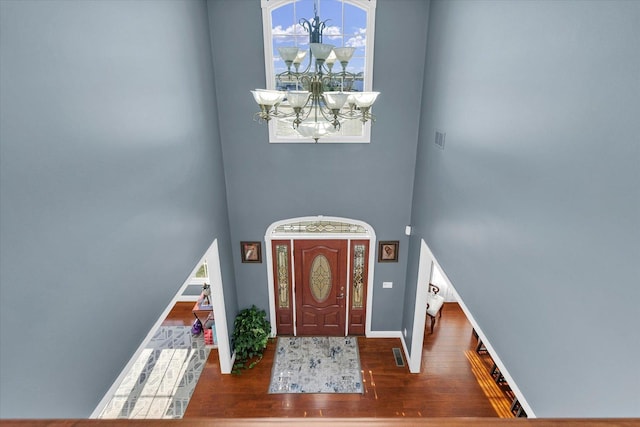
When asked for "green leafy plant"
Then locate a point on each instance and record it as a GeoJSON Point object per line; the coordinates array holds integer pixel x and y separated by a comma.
{"type": "Point", "coordinates": [250, 336]}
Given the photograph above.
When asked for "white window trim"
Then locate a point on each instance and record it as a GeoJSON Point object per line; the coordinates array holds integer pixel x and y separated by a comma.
{"type": "Point", "coordinates": [370, 7]}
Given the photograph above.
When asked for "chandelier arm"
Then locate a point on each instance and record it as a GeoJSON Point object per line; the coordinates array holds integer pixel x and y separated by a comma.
{"type": "Point", "coordinates": [305, 80]}
{"type": "Point", "coordinates": [303, 115]}
{"type": "Point", "coordinates": [260, 117]}
{"type": "Point", "coordinates": [366, 116]}
{"type": "Point", "coordinates": [346, 79]}
{"type": "Point", "coordinates": [291, 76]}
{"type": "Point", "coordinates": [324, 69]}
{"type": "Point", "coordinates": [326, 82]}
{"type": "Point", "coordinates": [342, 80]}
{"type": "Point", "coordinates": [325, 112]}
{"type": "Point", "coordinates": [328, 115]}
{"type": "Point", "coordinates": [347, 116]}
{"type": "Point", "coordinates": [267, 113]}
{"type": "Point", "coordinates": [308, 67]}
{"type": "Point", "coordinates": [280, 115]}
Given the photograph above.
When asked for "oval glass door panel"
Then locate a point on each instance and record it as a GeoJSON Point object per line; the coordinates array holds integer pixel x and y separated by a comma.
{"type": "Point", "coordinates": [320, 278]}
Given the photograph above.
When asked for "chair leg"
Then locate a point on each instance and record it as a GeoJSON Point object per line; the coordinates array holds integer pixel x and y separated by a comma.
{"type": "Point", "coordinates": [495, 371]}
{"type": "Point", "coordinates": [433, 322]}
{"type": "Point", "coordinates": [515, 406]}
{"type": "Point", "coordinates": [480, 348]}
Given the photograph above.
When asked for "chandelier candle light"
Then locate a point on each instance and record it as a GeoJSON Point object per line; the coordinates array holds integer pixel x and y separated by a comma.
{"type": "Point", "coordinates": [323, 99]}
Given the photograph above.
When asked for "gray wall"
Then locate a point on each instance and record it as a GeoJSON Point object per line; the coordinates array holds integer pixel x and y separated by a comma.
{"type": "Point", "coordinates": [371, 182]}
{"type": "Point", "coordinates": [533, 206]}
{"type": "Point", "coordinates": [111, 189]}
{"type": "Point", "coordinates": [112, 186]}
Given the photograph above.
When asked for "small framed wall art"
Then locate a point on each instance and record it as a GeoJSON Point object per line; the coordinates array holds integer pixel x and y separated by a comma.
{"type": "Point", "coordinates": [388, 251]}
{"type": "Point", "coordinates": [251, 251]}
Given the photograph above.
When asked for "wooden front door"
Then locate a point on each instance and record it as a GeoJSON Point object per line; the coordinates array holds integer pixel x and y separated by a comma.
{"type": "Point", "coordinates": [321, 277]}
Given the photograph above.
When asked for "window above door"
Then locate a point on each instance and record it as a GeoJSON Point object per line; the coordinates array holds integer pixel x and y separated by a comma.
{"type": "Point", "coordinates": [347, 23]}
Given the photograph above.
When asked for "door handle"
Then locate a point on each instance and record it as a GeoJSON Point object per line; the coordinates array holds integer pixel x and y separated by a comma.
{"type": "Point", "coordinates": [341, 293]}
{"type": "Point", "coordinates": [340, 296]}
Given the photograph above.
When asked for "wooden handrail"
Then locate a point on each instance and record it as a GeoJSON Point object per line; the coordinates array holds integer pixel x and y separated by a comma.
{"type": "Point", "coordinates": [334, 422]}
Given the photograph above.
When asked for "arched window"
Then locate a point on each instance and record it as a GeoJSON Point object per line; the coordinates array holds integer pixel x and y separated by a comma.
{"type": "Point", "coordinates": [347, 23]}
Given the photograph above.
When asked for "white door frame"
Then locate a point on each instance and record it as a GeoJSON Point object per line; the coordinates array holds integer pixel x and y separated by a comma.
{"type": "Point", "coordinates": [425, 268]}
{"type": "Point", "coordinates": [220, 313]}
{"type": "Point", "coordinates": [295, 234]}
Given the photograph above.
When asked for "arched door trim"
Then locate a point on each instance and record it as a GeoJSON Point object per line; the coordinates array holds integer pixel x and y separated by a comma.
{"type": "Point", "coordinates": [318, 227]}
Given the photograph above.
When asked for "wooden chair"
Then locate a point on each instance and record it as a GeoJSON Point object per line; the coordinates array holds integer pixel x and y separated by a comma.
{"type": "Point", "coordinates": [435, 303]}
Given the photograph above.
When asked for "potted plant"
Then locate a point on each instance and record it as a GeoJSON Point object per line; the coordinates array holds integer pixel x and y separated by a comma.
{"type": "Point", "coordinates": [250, 336]}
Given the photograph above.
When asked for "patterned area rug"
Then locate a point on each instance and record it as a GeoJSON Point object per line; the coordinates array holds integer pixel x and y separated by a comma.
{"type": "Point", "coordinates": [316, 365]}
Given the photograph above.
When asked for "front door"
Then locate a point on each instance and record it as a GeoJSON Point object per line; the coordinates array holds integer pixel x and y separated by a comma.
{"type": "Point", "coordinates": [321, 276]}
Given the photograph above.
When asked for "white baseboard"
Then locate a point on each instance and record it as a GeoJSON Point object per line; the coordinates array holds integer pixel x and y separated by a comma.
{"type": "Point", "coordinates": [231, 363]}
{"type": "Point", "coordinates": [384, 334]}
{"type": "Point", "coordinates": [406, 354]}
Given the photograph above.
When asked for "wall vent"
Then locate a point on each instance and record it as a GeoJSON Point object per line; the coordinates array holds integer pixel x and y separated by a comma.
{"type": "Point", "coordinates": [440, 139]}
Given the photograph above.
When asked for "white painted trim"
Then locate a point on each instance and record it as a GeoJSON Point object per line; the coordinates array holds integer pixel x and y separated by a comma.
{"type": "Point", "coordinates": [271, 235]}
{"type": "Point", "coordinates": [188, 298]}
{"type": "Point", "coordinates": [219, 310]}
{"type": "Point", "coordinates": [233, 358]}
{"type": "Point", "coordinates": [370, 272]}
{"type": "Point", "coordinates": [406, 351]}
{"type": "Point", "coordinates": [384, 334]}
{"type": "Point", "coordinates": [492, 352]}
{"type": "Point", "coordinates": [270, 284]}
{"type": "Point", "coordinates": [293, 287]}
{"type": "Point", "coordinates": [420, 315]}
{"type": "Point", "coordinates": [221, 326]}
{"type": "Point", "coordinates": [346, 292]}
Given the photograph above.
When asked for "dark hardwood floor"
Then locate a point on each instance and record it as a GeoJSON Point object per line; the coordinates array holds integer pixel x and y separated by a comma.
{"type": "Point", "coordinates": [449, 384]}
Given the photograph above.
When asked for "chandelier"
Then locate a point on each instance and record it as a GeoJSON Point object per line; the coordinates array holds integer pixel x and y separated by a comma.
{"type": "Point", "coordinates": [319, 100]}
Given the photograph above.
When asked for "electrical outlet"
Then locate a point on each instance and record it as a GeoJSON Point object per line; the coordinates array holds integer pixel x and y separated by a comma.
{"type": "Point", "coordinates": [405, 332]}
{"type": "Point", "coordinates": [387, 285]}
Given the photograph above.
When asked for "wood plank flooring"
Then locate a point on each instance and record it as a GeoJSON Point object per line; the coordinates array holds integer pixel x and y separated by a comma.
{"type": "Point", "coordinates": [446, 386]}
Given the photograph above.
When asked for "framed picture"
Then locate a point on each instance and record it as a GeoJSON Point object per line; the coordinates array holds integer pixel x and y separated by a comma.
{"type": "Point", "coordinates": [251, 251]}
{"type": "Point", "coordinates": [388, 251]}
